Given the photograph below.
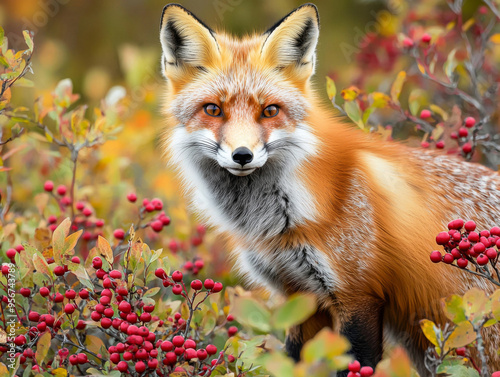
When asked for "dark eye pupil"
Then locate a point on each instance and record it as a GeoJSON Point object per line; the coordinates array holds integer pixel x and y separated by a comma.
{"type": "Point", "coordinates": [212, 110]}
{"type": "Point", "coordinates": [270, 111]}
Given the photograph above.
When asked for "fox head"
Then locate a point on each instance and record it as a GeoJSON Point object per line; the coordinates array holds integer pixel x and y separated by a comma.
{"type": "Point", "coordinates": [239, 104]}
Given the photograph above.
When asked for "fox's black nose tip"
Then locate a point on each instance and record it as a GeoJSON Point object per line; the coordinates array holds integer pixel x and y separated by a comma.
{"type": "Point", "coordinates": [242, 156]}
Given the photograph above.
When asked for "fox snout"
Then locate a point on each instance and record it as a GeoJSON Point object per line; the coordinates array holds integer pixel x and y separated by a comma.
{"type": "Point", "coordinates": [241, 156]}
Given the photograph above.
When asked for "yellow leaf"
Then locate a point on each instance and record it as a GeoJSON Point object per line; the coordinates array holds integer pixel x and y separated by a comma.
{"type": "Point", "coordinates": [439, 111]}
{"type": "Point", "coordinates": [467, 25]}
{"type": "Point", "coordinates": [93, 343]}
{"type": "Point", "coordinates": [60, 372]}
{"type": "Point", "coordinates": [42, 347]}
{"type": "Point", "coordinates": [429, 329]}
{"type": "Point", "coordinates": [397, 86]}
{"type": "Point", "coordinates": [350, 94]}
{"type": "Point", "coordinates": [331, 89]}
{"type": "Point", "coordinates": [70, 243]}
{"type": "Point", "coordinates": [104, 249]}
{"type": "Point", "coordinates": [41, 264]}
{"type": "Point", "coordinates": [421, 68]}
{"type": "Point", "coordinates": [380, 100]}
{"type": "Point", "coordinates": [495, 38]}
{"type": "Point", "coordinates": [462, 335]}
{"type": "Point", "coordinates": [59, 237]}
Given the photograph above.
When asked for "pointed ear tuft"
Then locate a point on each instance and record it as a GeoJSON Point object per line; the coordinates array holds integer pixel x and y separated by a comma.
{"type": "Point", "coordinates": [186, 41]}
{"type": "Point", "coordinates": [292, 41]}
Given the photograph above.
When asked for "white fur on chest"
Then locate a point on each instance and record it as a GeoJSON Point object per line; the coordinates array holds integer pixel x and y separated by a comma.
{"type": "Point", "coordinates": [300, 269]}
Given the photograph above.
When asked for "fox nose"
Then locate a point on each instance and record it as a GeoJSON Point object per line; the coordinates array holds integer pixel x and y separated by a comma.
{"type": "Point", "coordinates": [242, 156]}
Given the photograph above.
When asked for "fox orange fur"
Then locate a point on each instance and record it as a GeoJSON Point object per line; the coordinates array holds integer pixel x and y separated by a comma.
{"type": "Point", "coordinates": [310, 204]}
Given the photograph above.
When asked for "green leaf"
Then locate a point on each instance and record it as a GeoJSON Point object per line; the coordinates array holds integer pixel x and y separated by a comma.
{"type": "Point", "coordinates": [42, 347]}
{"type": "Point", "coordinates": [278, 364]}
{"type": "Point", "coordinates": [83, 277]}
{"type": "Point", "coordinates": [28, 39]}
{"type": "Point", "coordinates": [451, 64]}
{"type": "Point", "coordinates": [325, 345]}
{"type": "Point", "coordinates": [353, 111]}
{"type": "Point", "coordinates": [331, 89]}
{"type": "Point", "coordinates": [251, 313]}
{"type": "Point", "coordinates": [294, 311]}
{"type": "Point", "coordinates": [458, 371]}
{"type": "Point", "coordinates": [474, 303]}
{"type": "Point", "coordinates": [2, 33]}
{"type": "Point", "coordinates": [454, 310]}
{"type": "Point", "coordinates": [397, 86]}
{"type": "Point", "coordinates": [151, 292]}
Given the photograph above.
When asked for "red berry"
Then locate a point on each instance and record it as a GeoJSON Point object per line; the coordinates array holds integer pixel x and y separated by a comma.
{"type": "Point", "coordinates": [482, 260]}
{"type": "Point", "coordinates": [217, 287]}
{"type": "Point", "coordinates": [442, 238]}
{"type": "Point", "coordinates": [95, 316]}
{"type": "Point", "coordinates": [149, 207]}
{"type": "Point", "coordinates": [97, 262]}
{"type": "Point", "coordinates": [495, 231]}
{"type": "Point", "coordinates": [165, 220]}
{"type": "Point", "coordinates": [81, 325]}
{"type": "Point", "coordinates": [73, 359]}
{"type": "Point", "coordinates": [464, 245]}
{"type": "Point", "coordinates": [209, 284]}
{"type": "Point", "coordinates": [48, 186]}
{"type": "Point", "coordinates": [355, 366]}
{"type": "Point", "coordinates": [33, 316]}
{"type": "Point", "coordinates": [178, 340]}
{"type": "Point", "coordinates": [20, 340]}
{"type": "Point", "coordinates": [177, 276]}
{"type": "Point", "coordinates": [467, 148]}
{"type": "Point", "coordinates": [132, 197]}
{"type": "Point", "coordinates": [189, 344]}
{"type": "Point", "coordinates": [11, 253]}
{"type": "Point", "coordinates": [199, 264]}
{"type": "Point", "coordinates": [232, 330]}
{"type": "Point", "coordinates": [128, 355]}
{"type": "Point", "coordinates": [173, 246]}
{"type": "Point", "coordinates": [463, 132]}
{"type": "Point", "coordinates": [462, 262]}
{"type": "Point", "coordinates": [190, 354]}
{"type": "Point", "coordinates": [167, 346]}
{"type": "Point", "coordinates": [424, 144]}
{"type": "Point", "coordinates": [59, 270]}
{"type": "Point", "coordinates": [119, 234]}
{"type": "Point", "coordinates": [448, 259]}
{"type": "Point", "coordinates": [177, 289]}
{"type": "Point", "coordinates": [211, 349]}
{"type": "Point", "coordinates": [140, 367]}
{"type": "Point", "coordinates": [122, 366]}
{"type": "Point", "coordinates": [496, 374]}
{"type": "Point", "coordinates": [196, 285]}
{"type": "Point", "coordinates": [408, 43]}
{"type": "Point", "coordinates": [114, 357]}
{"type": "Point", "coordinates": [436, 256]}
{"type": "Point", "coordinates": [26, 292]}
{"type": "Point", "coordinates": [84, 294]}
{"type": "Point", "coordinates": [99, 223]}
{"type": "Point", "coordinates": [424, 114]}
{"type": "Point", "coordinates": [440, 144]}
{"type": "Point", "coordinates": [454, 135]}
{"type": "Point", "coordinates": [61, 190]}
{"type": "Point", "coordinates": [461, 351]}
{"type": "Point", "coordinates": [79, 206]}
{"type": "Point", "coordinates": [426, 38]}
{"type": "Point", "coordinates": [82, 358]}
{"type": "Point", "coordinates": [366, 372]}
{"type": "Point", "coordinates": [156, 225]}
{"type": "Point", "coordinates": [170, 358]}
{"type": "Point", "coordinates": [115, 274]}
{"type": "Point", "coordinates": [152, 363]}
{"type": "Point", "coordinates": [87, 211]}
{"type": "Point", "coordinates": [160, 273]}
{"type": "Point", "coordinates": [470, 122]}
{"type": "Point", "coordinates": [157, 203]}
{"type": "Point", "coordinates": [44, 291]}
{"type": "Point", "coordinates": [473, 236]}
{"type": "Point", "coordinates": [491, 253]}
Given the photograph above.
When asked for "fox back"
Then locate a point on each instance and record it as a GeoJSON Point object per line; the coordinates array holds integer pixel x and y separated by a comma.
{"type": "Point", "coordinates": [307, 203]}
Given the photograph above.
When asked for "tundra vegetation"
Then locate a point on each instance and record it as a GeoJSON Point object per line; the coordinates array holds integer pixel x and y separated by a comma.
{"type": "Point", "coordinates": [98, 279]}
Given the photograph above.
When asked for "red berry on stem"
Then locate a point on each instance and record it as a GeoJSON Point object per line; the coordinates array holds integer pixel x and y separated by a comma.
{"type": "Point", "coordinates": [436, 256]}
{"type": "Point", "coordinates": [178, 340]}
{"type": "Point", "coordinates": [177, 289]}
{"type": "Point", "coordinates": [122, 366]}
{"type": "Point", "coordinates": [97, 262]}
{"type": "Point", "coordinates": [467, 148]}
{"type": "Point", "coordinates": [119, 234]}
{"type": "Point", "coordinates": [426, 38]}
{"type": "Point", "coordinates": [132, 197]}
{"type": "Point", "coordinates": [11, 253]}
{"type": "Point", "coordinates": [442, 238]}
{"type": "Point", "coordinates": [156, 225]}
{"type": "Point", "coordinates": [196, 285]}
{"type": "Point", "coordinates": [232, 330]}
{"type": "Point", "coordinates": [61, 190]}
{"type": "Point", "coordinates": [408, 43]}
{"type": "Point", "coordinates": [470, 122]}
{"type": "Point", "coordinates": [462, 263]}
{"type": "Point", "coordinates": [217, 287]}
{"type": "Point", "coordinates": [366, 372]}
{"type": "Point", "coordinates": [177, 276]}
{"type": "Point", "coordinates": [424, 114]}
{"type": "Point", "coordinates": [48, 186]}
{"type": "Point", "coordinates": [59, 270]}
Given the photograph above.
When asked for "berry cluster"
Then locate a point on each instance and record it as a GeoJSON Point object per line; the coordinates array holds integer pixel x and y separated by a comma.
{"type": "Point", "coordinates": [355, 370]}
{"type": "Point", "coordinates": [463, 246]}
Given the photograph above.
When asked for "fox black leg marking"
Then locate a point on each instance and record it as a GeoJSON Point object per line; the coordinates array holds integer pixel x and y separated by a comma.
{"type": "Point", "coordinates": [364, 332]}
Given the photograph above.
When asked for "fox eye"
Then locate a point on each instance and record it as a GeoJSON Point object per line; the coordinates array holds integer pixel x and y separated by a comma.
{"type": "Point", "coordinates": [270, 111]}
{"type": "Point", "coordinates": [213, 110]}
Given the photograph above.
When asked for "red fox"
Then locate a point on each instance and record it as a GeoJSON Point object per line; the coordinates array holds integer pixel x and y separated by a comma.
{"type": "Point", "coordinates": [308, 203]}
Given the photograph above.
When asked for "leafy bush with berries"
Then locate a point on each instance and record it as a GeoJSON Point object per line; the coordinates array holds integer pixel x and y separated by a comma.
{"type": "Point", "coordinates": [86, 283]}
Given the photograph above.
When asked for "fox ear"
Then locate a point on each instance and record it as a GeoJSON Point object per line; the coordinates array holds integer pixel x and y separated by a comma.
{"type": "Point", "coordinates": [291, 42]}
{"type": "Point", "coordinates": [186, 41]}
